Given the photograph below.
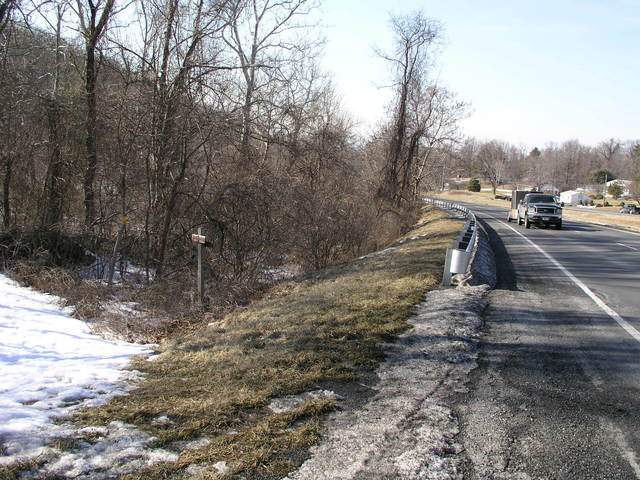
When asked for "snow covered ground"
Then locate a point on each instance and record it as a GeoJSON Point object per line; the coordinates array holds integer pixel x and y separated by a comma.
{"type": "Point", "coordinates": [50, 365]}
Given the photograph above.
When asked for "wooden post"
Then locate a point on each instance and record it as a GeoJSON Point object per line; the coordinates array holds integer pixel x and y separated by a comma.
{"type": "Point", "coordinates": [200, 276]}
{"type": "Point", "coordinates": [199, 239]}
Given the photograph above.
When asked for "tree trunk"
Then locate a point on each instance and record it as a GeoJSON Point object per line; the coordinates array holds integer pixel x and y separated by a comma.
{"type": "Point", "coordinates": [90, 141]}
{"type": "Point", "coordinates": [168, 214]}
{"type": "Point", "coordinates": [54, 183]}
{"type": "Point", "coordinates": [6, 207]}
{"type": "Point", "coordinates": [92, 28]}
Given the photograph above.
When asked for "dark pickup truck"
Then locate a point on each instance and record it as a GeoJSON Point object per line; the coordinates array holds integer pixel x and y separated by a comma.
{"type": "Point", "coordinates": [539, 209]}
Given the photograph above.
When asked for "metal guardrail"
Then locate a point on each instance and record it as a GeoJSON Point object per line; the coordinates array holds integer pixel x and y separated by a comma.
{"type": "Point", "coordinates": [459, 256]}
{"type": "Point", "coordinates": [448, 205]}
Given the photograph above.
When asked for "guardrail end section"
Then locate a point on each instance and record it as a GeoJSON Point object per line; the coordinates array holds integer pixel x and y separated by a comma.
{"type": "Point", "coordinates": [446, 274]}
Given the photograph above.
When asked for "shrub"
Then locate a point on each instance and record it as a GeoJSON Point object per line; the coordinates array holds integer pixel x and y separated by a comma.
{"type": "Point", "coordinates": [474, 185]}
{"type": "Point", "coordinates": [48, 248]}
{"type": "Point", "coordinates": [615, 190]}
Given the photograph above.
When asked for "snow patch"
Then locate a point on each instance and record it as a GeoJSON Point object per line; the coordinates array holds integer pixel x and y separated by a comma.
{"type": "Point", "coordinates": [196, 469]}
{"type": "Point", "coordinates": [187, 445]}
{"type": "Point", "coordinates": [284, 272]}
{"type": "Point", "coordinates": [221, 467]}
{"type": "Point", "coordinates": [50, 365]}
{"type": "Point", "coordinates": [119, 449]}
{"type": "Point", "coordinates": [162, 420]}
{"type": "Point", "coordinates": [291, 402]}
{"type": "Point", "coordinates": [123, 272]}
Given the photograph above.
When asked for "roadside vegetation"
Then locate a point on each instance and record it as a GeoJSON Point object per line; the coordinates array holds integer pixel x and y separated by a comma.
{"type": "Point", "coordinates": [217, 116]}
{"type": "Point", "coordinates": [213, 116]}
{"type": "Point", "coordinates": [310, 333]}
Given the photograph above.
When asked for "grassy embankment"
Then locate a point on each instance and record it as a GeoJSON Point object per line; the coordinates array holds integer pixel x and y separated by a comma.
{"type": "Point", "coordinates": [304, 334]}
{"type": "Point", "coordinates": [588, 216]}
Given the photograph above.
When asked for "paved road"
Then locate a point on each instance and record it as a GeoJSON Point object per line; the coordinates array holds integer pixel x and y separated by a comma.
{"type": "Point", "coordinates": [557, 392]}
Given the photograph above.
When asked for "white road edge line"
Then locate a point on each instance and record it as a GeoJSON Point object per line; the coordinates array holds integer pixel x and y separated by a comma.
{"type": "Point", "coordinates": [607, 309]}
{"type": "Point", "coordinates": [628, 246]}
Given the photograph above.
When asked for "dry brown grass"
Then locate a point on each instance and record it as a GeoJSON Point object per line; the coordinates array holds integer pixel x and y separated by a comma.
{"type": "Point", "coordinates": [86, 296]}
{"type": "Point", "coordinates": [588, 216]}
{"type": "Point", "coordinates": [159, 312]}
{"type": "Point", "coordinates": [301, 335]}
{"type": "Point", "coordinates": [15, 470]}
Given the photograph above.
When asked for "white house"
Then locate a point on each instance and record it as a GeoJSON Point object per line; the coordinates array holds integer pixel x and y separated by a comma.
{"type": "Point", "coordinates": [571, 196]}
{"type": "Point", "coordinates": [625, 184]}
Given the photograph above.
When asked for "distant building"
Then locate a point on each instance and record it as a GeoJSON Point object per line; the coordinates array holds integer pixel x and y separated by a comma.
{"type": "Point", "coordinates": [625, 184]}
{"type": "Point", "coordinates": [590, 188]}
{"type": "Point", "coordinates": [573, 196]}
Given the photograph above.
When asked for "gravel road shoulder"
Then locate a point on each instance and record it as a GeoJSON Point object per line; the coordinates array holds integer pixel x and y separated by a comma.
{"type": "Point", "coordinates": [407, 429]}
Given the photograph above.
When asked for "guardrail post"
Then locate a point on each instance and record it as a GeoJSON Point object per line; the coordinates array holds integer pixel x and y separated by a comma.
{"type": "Point", "coordinates": [446, 275]}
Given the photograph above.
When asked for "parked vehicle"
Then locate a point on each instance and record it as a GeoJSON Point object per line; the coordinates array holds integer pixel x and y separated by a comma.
{"type": "Point", "coordinates": [631, 209]}
{"type": "Point", "coordinates": [539, 209]}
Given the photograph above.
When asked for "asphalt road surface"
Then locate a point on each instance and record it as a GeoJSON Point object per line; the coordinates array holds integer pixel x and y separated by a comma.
{"type": "Point", "coordinates": [557, 391]}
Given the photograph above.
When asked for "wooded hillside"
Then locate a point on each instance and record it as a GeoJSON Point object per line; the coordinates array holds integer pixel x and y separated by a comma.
{"type": "Point", "coordinates": [149, 120]}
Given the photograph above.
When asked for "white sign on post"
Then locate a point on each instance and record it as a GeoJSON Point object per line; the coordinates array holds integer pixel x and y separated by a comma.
{"type": "Point", "coordinates": [197, 238]}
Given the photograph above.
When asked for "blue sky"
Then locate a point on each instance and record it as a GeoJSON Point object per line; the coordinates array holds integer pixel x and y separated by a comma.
{"type": "Point", "coordinates": [533, 72]}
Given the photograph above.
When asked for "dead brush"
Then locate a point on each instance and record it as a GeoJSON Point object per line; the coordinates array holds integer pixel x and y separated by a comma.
{"type": "Point", "coordinates": [85, 296]}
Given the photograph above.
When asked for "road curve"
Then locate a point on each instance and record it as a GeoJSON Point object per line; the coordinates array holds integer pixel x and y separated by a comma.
{"type": "Point", "coordinates": [557, 391]}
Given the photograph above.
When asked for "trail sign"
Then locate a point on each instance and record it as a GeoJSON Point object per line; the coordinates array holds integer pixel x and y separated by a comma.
{"type": "Point", "coordinates": [198, 238]}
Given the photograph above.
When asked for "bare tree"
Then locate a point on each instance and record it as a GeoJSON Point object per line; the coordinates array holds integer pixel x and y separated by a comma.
{"type": "Point", "coordinates": [93, 19]}
{"type": "Point", "coordinates": [536, 170]}
{"type": "Point", "coordinates": [260, 33]}
{"type": "Point", "coordinates": [414, 35]}
{"type": "Point", "coordinates": [634, 159]}
{"type": "Point", "coordinates": [6, 155]}
{"type": "Point", "coordinates": [177, 53]}
{"type": "Point", "coordinates": [436, 115]}
{"type": "Point", "coordinates": [55, 183]}
{"type": "Point", "coordinates": [7, 8]}
{"type": "Point", "coordinates": [607, 151]}
{"type": "Point", "coordinates": [492, 162]}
